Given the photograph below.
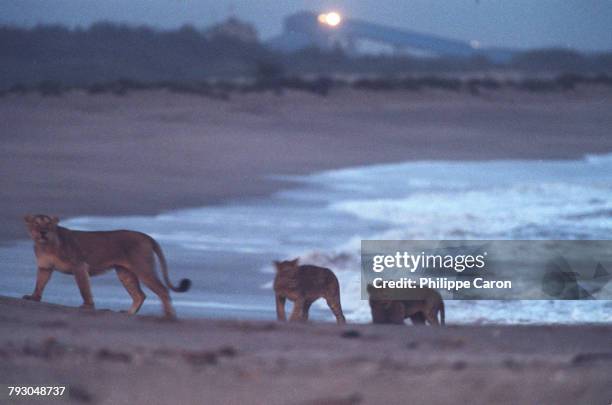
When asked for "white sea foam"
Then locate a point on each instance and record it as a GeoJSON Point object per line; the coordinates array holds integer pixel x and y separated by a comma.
{"type": "Point", "coordinates": [478, 200]}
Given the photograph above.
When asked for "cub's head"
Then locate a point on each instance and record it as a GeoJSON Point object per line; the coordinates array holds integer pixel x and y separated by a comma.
{"type": "Point", "coordinates": [379, 297]}
{"type": "Point", "coordinates": [42, 228]}
{"type": "Point", "coordinates": [286, 265]}
{"type": "Point", "coordinates": [383, 308]}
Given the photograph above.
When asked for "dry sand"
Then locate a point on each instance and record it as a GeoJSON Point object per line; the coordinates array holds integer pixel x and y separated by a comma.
{"type": "Point", "coordinates": [152, 151]}
{"type": "Point", "coordinates": [110, 358]}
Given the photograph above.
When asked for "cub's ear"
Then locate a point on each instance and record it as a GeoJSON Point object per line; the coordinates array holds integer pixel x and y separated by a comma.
{"type": "Point", "coordinates": [54, 220]}
{"type": "Point", "coordinates": [295, 261]}
{"type": "Point", "coordinates": [28, 218]}
{"type": "Point", "coordinates": [370, 288]}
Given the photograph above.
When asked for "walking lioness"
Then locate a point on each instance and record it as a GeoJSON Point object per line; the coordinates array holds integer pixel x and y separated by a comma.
{"type": "Point", "coordinates": [84, 254]}
{"type": "Point", "coordinates": [304, 285]}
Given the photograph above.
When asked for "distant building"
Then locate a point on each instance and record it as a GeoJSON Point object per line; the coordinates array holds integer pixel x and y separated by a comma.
{"type": "Point", "coordinates": [233, 28]}
{"type": "Point", "coordinates": [330, 30]}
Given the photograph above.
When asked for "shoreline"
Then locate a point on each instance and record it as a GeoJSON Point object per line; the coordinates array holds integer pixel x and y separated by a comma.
{"type": "Point", "coordinates": [151, 152]}
{"type": "Point", "coordinates": [107, 357]}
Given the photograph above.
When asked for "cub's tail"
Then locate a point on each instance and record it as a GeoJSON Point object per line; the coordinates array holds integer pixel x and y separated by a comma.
{"type": "Point", "coordinates": [184, 284]}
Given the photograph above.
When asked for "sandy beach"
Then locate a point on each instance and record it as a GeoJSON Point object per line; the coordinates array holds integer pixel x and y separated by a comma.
{"type": "Point", "coordinates": [110, 358]}
{"type": "Point", "coordinates": [147, 152]}
{"type": "Point", "coordinates": [151, 151]}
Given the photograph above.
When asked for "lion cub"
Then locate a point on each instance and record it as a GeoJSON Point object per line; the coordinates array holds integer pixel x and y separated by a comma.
{"type": "Point", "coordinates": [423, 305]}
{"type": "Point", "coordinates": [84, 254]}
{"type": "Point", "coordinates": [304, 285]}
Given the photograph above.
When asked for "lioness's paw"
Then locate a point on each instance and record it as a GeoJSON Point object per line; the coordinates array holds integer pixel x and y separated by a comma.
{"type": "Point", "coordinates": [31, 298]}
{"type": "Point", "coordinates": [170, 317]}
{"type": "Point", "coordinates": [87, 306]}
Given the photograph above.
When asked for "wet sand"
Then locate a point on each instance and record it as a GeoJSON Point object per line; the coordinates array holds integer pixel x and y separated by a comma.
{"type": "Point", "coordinates": [111, 358]}
{"type": "Point", "coordinates": [151, 151]}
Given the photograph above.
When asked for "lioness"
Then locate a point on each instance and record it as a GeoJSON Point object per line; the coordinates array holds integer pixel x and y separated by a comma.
{"type": "Point", "coordinates": [418, 304]}
{"type": "Point", "coordinates": [304, 285]}
{"type": "Point", "coordinates": [86, 254]}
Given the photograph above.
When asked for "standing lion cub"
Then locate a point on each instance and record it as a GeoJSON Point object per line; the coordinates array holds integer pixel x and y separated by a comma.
{"type": "Point", "coordinates": [84, 254]}
{"type": "Point", "coordinates": [304, 285]}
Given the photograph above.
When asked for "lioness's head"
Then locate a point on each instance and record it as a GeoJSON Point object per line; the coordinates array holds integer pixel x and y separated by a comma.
{"type": "Point", "coordinates": [286, 264]}
{"type": "Point", "coordinates": [42, 228]}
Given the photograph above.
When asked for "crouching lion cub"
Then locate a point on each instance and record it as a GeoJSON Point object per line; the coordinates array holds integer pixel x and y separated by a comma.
{"type": "Point", "coordinates": [84, 254]}
{"type": "Point", "coordinates": [393, 306]}
{"type": "Point", "coordinates": [304, 285]}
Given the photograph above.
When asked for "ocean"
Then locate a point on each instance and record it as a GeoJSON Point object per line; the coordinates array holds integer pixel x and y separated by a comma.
{"type": "Point", "coordinates": [227, 250]}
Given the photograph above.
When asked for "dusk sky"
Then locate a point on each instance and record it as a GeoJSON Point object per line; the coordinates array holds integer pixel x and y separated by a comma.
{"type": "Point", "coordinates": [582, 24]}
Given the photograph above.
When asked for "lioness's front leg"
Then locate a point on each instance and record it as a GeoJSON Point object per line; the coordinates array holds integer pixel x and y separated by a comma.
{"type": "Point", "coordinates": [298, 310]}
{"type": "Point", "coordinates": [418, 318]}
{"type": "Point", "coordinates": [81, 275]}
{"type": "Point", "coordinates": [280, 308]}
{"type": "Point", "coordinates": [42, 278]}
{"type": "Point", "coordinates": [306, 309]}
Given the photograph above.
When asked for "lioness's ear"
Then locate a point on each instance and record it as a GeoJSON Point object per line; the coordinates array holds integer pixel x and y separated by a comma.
{"type": "Point", "coordinates": [54, 220]}
{"type": "Point", "coordinates": [28, 218]}
{"type": "Point", "coordinates": [295, 261]}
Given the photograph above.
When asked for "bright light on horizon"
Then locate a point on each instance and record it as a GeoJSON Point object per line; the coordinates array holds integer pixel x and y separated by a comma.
{"type": "Point", "coordinates": [332, 18]}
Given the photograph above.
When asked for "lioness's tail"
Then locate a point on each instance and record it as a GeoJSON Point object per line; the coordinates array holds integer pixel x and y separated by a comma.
{"type": "Point", "coordinates": [183, 285]}
{"type": "Point", "coordinates": [441, 312]}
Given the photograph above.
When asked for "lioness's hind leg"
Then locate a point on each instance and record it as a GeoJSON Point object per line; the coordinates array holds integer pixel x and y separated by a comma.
{"type": "Point", "coordinates": [336, 308]}
{"type": "Point", "coordinates": [151, 281]}
{"type": "Point", "coordinates": [131, 284]}
{"type": "Point", "coordinates": [432, 317]}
